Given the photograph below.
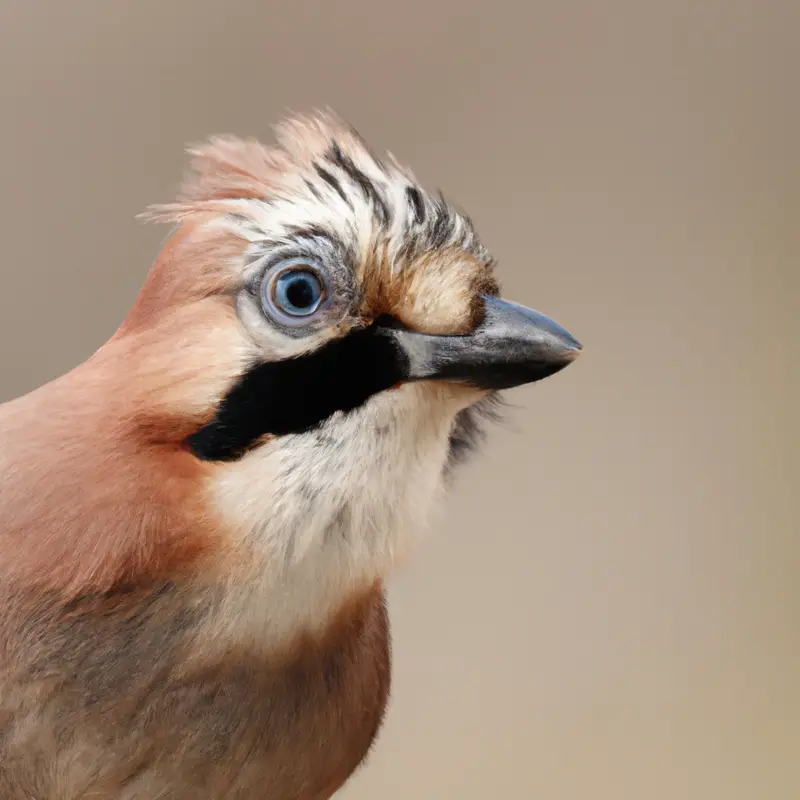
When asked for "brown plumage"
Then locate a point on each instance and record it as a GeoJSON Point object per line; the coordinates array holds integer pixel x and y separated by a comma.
{"type": "Point", "coordinates": [196, 522]}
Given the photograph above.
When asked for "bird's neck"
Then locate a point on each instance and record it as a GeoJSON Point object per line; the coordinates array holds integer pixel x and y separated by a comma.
{"type": "Point", "coordinates": [324, 515]}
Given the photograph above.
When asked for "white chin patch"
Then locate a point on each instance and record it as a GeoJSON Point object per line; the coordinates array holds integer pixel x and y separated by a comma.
{"type": "Point", "coordinates": [327, 512]}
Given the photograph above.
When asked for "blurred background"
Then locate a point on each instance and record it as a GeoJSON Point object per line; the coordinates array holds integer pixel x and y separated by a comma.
{"type": "Point", "coordinates": [611, 607]}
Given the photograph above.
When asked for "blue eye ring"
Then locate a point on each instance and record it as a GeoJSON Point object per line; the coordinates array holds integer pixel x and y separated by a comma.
{"type": "Point", "coordinates": [293, 293]}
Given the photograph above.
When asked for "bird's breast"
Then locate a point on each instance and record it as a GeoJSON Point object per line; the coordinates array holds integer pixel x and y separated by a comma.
{"type": "Point", "coordinates": [120, 697]}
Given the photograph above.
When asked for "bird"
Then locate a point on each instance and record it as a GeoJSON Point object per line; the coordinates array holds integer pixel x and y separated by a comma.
{"type": "Point", "coordinates": [198, 522]}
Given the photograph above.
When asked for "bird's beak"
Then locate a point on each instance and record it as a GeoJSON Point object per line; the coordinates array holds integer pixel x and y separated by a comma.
{"type": "Point", "coordinates": [512, 346]}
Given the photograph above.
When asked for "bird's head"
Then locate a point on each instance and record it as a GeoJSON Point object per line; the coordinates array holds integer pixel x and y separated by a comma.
{"type": "Point", "coordinates": [321, 334]}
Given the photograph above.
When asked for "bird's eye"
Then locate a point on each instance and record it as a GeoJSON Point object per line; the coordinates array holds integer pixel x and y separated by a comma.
{"type": "Point", "coordinates": [293, 293]}
{"type": "Point", "coordinates": [298, 292]}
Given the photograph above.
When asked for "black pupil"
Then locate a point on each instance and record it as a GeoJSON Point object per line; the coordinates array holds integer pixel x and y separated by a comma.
{"type": "Point", "coordinates": [301, 291]}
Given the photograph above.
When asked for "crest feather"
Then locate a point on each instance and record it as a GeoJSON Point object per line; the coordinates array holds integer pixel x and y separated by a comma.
{"type": "Point", "coordinates": [228, 168]}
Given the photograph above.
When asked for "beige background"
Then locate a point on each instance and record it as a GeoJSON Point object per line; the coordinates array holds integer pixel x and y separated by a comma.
{"type": "Point", "coordinates": [611, 608]}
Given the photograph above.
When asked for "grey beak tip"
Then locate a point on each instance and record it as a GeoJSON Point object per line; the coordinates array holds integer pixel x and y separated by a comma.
{"type": "Point", "coordinates": [573, 349]}
{"type": "Point", "coordinates": [571, 353]}
{"type": "Point", "coordinates": [553, 341]}
{"type": "Point", "coordinates": [562, 352]}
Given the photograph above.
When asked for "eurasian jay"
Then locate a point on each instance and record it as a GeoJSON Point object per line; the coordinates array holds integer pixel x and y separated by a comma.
{"type": "Point", "coordinates": [197, 522]}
